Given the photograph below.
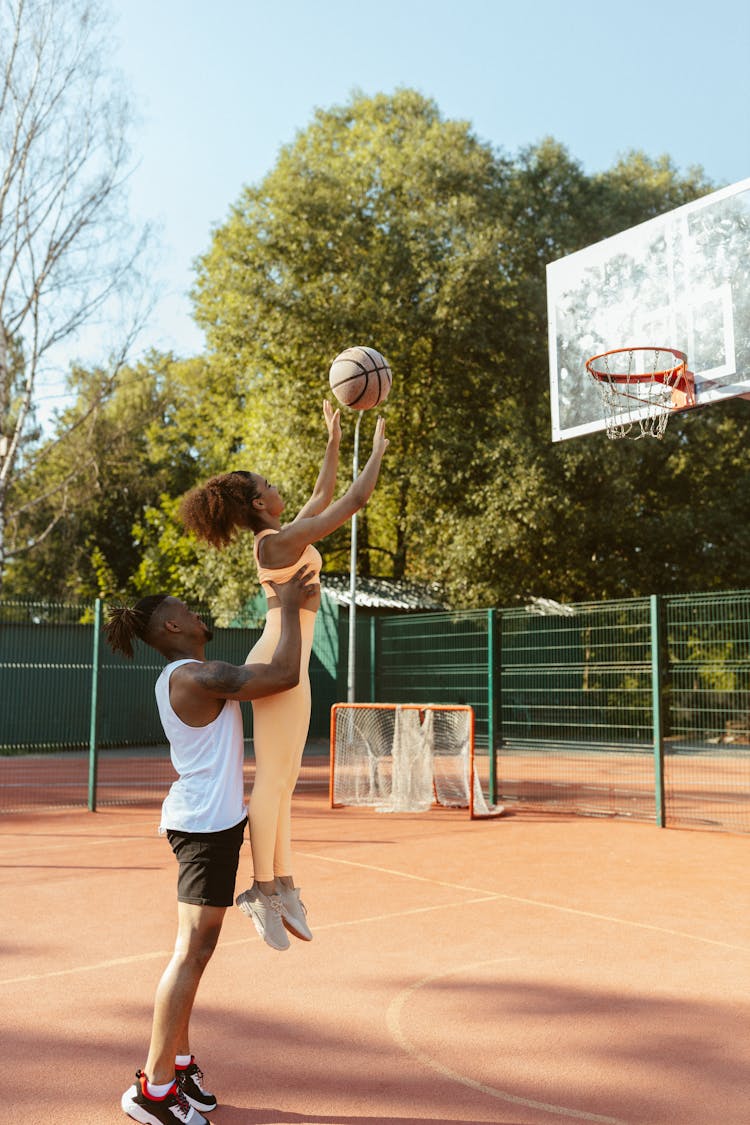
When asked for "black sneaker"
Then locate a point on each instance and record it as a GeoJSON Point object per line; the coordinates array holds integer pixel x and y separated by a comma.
{"type": "Point", "coordinates": [169, 1110]}
{"type": "Point", "coordinates": [190, 1081]}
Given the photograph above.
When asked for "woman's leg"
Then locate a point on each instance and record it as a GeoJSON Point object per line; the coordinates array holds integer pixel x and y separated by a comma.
{"type": "Point", "coordinates": [282, 856]}
{"type": "Point", "coordinates": [277, 754]}
{"type": "Point", "coordinates": [269, 744]}
{"type": "Point", "coordinates": [280, 726]}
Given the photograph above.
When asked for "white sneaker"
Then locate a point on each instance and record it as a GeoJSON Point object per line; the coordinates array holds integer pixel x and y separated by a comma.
{"type": "Point", "coordinates": [170, 1109]}
{"type": "Point", "coordinates": [265, 913]}
{"type": "Point", "coordinates": [293, 912]}
{"type": "Point", "coordinates": [190, 1080]}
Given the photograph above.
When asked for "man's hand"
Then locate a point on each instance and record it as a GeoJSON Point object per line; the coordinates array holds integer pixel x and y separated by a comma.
{"type": "Point", "coordinates": [297, 590]}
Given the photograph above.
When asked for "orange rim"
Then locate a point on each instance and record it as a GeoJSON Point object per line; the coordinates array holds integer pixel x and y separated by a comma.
{"type": "Point", "coordinates": [675, 376]}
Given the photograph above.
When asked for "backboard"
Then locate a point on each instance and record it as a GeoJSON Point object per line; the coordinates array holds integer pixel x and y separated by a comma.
{"type": "Point", "coordinates": [681, 280]}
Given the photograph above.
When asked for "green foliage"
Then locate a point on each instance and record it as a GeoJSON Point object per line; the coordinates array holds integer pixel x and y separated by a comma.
{"type": "Point", "coordinates": [385, 224]}
{"type": "Point", "coordinates": [108, 457]}
{"type": "Point", "coordinates": [380, 224]}
{"type": "Point", "coordinates": [172, 562]}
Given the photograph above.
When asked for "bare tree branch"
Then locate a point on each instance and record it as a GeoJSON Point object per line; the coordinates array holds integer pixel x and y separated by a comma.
{"type": "Point", "coordinates": [66, 247]}
{"type": "Point", "coordinates": [59, 486]}
{"type": "Point", "coordinates": [14, 551]}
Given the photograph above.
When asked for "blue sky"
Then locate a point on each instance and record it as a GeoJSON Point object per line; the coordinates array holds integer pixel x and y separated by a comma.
{"type": "Point", "coordinates": [219, 87]}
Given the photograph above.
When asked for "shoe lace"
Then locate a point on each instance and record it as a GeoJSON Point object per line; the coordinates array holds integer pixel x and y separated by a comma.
{"type": "Point", "coordinates": [182, 1101]}
{"type": "Point", "coordinates": [193, 1071]}
{"type": "Point", "coordinates": [197, 1076]}
{"type": "Point", "coordinates": [276, 904]}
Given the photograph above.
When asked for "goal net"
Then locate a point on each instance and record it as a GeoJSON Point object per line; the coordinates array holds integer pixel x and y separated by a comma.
{"type": "Point", "coordinates": [405, 757]}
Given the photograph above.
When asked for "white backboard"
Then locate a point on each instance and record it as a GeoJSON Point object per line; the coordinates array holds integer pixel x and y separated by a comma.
{"type": "Point", "coordinates": [681, 280]}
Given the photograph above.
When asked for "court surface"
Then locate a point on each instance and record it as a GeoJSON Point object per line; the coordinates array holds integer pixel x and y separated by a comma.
{"type": "Point", "coordinates": [528, 970]}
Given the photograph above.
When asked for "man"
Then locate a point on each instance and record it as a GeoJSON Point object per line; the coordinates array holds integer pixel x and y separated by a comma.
{"type": "Point", "coordinates": [203, 817]}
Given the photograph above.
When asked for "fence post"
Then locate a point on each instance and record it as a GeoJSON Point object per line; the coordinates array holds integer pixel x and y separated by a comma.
{"type": "Point", "coordinates": [93, 751]}
{"type": "Point", "coordinates": [373, 659]}
{"type": "Point", "coordinates": [493, 700]}
{"type": "Point", "coordinates": [656, 706]}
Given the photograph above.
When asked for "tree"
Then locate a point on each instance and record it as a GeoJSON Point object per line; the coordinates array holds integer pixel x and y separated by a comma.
{"type": "Point", "coordinates": [381, 224]}
{"type": "Point", "coordinates": [118, 457]}
{"type": "Point", "coordinates": [127, 462]}
{"type": "Point", "coordinates": [590, 518]}
{"type": "Point", "coordinates": [65, 245]}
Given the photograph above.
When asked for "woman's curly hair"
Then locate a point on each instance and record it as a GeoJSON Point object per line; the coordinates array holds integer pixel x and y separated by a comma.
{"type": "Point", "coordinates": [125, 623]}
{"type": "Point", "coordinates": [216, 510]}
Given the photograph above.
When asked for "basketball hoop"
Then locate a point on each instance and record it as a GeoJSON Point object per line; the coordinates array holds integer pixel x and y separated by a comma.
{"type": "Point", "coordinates": [641, 387]}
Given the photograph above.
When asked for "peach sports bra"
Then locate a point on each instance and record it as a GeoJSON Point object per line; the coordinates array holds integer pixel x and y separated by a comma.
{"type": "Point", "coordinates": [310, 557]}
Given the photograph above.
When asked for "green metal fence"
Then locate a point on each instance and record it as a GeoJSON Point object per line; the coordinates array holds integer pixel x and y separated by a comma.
{"type": "Point", "coordinates": [51, 656]}
{"type": "Point", "coordinates": [637, 708]}
{"type": "Point", "coordinates": [577, 709]}
{"type": "Point", "coordinates": [707, 698]}
{"type": "Point", "coordinates": [70, 710]}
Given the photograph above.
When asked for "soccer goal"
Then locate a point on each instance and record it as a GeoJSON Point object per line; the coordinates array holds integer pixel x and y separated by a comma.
{"type": "Point", "coordinates": [405, 757]}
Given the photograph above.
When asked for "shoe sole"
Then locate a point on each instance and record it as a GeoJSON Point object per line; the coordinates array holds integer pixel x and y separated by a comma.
{"type": "Point", "coordinates": [201, 1107]}
{"type": "Point", "coordinates": [140, 1114]}
{"type": "Point", "coordinates": [290, 927]}
{"type": "Point", "coordinates": [197, 1105]}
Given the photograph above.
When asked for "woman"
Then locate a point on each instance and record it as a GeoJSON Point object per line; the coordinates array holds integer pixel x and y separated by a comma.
{"type": "Point", "coordinates": [217, 511]}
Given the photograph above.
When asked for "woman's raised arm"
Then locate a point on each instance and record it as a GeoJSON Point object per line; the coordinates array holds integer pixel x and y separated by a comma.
{"type": "Point", "coordinates": [285, 548]}
{"type": "Point", "coordinates": [325, 485]}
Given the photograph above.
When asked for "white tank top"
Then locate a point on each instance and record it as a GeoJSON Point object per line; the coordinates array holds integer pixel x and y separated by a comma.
{"type": "Point", "coordinates": [208, 794]}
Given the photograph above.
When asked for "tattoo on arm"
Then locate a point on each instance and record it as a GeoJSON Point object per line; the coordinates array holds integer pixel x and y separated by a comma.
{"type": "Point", "coordinates": [219, 678]}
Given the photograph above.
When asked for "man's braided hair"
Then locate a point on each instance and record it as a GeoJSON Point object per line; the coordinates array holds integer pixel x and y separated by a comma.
{"type": "Point", "coordinates": [125, 623]}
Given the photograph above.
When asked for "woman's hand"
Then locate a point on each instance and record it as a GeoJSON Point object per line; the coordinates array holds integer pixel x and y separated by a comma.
{"type": "Point", "coordinates": [332, 420]}
{"type": "Point", "coordinates": [379, 440]}
{"type": "Point", "coordinates": [325, 485]}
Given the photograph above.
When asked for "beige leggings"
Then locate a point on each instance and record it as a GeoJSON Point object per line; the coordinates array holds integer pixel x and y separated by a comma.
{"type": "Point", "coordinates": [280, 726]}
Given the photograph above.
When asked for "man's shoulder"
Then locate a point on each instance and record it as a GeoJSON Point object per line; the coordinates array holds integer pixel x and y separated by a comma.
{"type": "Point", "coordinates": [180, 669]}
{"type": "Point", "coordinates": [213, 676]}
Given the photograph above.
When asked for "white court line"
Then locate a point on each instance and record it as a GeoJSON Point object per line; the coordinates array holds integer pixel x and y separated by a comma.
{"type": "Point", "coordinates": [379, 917]}
{"type": "Point", "coordinates": [90, 968]}
{"type": "Point", "coordinates": [393, 1020]}
{"type": "Point", "coordinates": [136, 957]}
{"type": "Point", "coordinates": [530, 902]}
{"type": "Point", "coordinates": [42, 847]}
{"type": "Point", "coordinates": [483, 893]}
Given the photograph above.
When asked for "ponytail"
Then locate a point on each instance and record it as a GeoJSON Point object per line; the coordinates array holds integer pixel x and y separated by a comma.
{"type": "Point", "coordinates": [124, 623]}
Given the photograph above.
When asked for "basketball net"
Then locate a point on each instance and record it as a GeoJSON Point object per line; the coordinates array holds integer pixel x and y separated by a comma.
{"type": "Point", "coordinates": [640, 388]}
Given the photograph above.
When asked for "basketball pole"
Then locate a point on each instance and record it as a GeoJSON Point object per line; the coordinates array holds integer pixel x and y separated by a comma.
{"type": "Point", "coordinates": [351, 678]}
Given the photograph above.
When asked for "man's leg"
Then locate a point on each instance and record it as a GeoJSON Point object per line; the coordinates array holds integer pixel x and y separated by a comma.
{"type": "Point", "coordinates": [198, 929]}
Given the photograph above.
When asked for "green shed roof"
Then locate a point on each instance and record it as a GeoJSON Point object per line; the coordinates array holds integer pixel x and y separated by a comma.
{"type": "Point", "coordinates": [380, 593]}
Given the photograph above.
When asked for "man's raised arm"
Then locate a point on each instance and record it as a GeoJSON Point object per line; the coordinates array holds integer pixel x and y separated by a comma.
{"type": "Point", "coordinates": [219, 680]}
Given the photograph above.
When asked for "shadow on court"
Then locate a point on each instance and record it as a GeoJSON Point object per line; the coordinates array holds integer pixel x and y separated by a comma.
{"type": "Point", "coordinates": [234, 1115]}
{"type": "Point", "coordinates": [513, 973]}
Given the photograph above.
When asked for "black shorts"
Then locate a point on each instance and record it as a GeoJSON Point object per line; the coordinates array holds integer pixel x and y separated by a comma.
{"type": "Point", "coordinates": [208, 864]}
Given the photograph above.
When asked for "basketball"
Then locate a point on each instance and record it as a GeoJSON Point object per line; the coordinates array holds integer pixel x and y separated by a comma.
{"type": "Point", "coordinates": [360, 378]}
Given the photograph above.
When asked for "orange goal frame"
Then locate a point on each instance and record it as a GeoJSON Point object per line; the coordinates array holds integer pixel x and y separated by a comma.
{"type": "Point", "coordinates": [421, 708]}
